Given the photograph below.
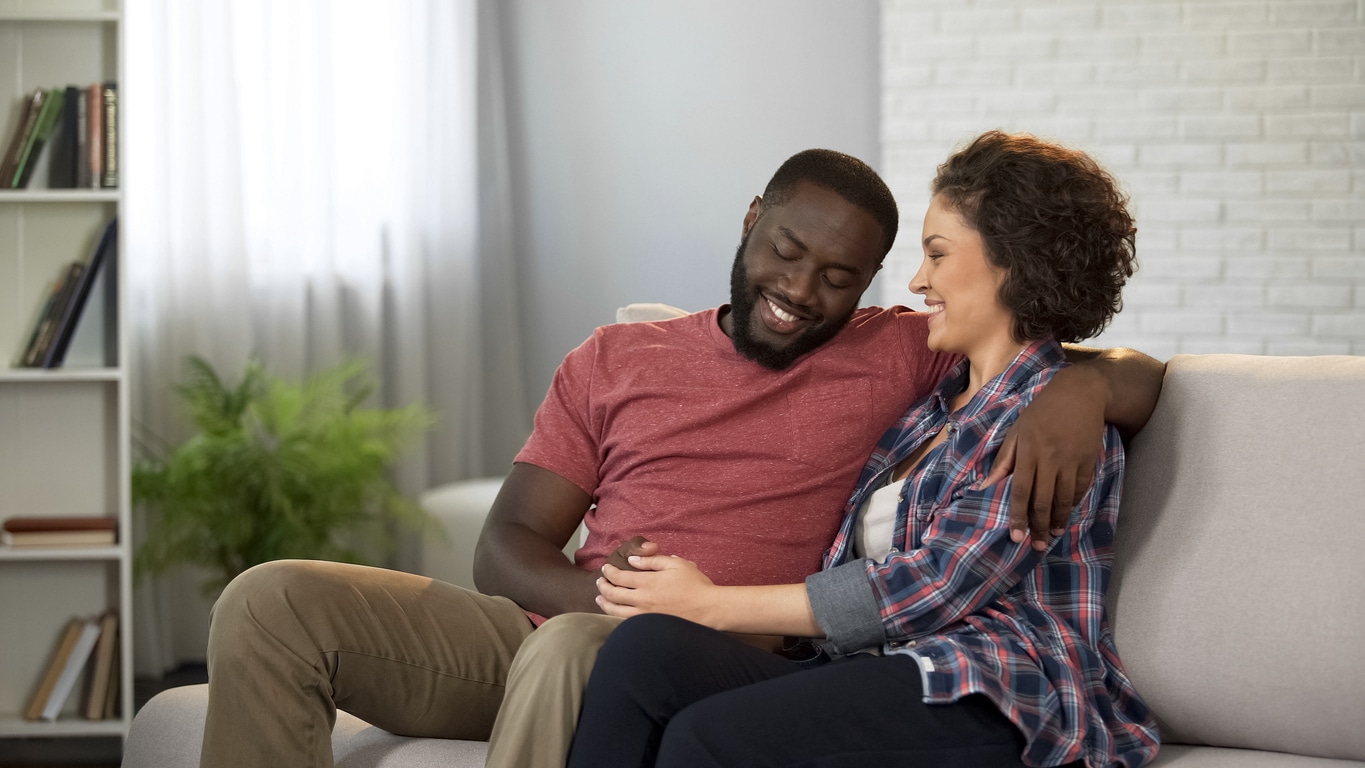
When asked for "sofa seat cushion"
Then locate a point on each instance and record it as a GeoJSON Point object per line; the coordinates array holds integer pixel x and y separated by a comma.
{"type": "Point", "coordinates": [1184, 756]}
{"type": "Point", "coordinates": [169, 728]}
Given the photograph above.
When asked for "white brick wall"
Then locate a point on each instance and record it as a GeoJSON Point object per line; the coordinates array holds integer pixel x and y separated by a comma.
{"type": "Point", "coordinates": [1238, 127]}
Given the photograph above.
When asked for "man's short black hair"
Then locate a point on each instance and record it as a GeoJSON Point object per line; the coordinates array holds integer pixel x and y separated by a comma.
{"type": "Point", "coordinates": [846, 176]}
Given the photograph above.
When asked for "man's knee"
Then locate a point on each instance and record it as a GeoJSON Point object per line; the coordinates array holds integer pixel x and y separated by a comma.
{"type": "Point", "coordinates": [259, 603]}
{"type": "Point", "coordinates": [565, 642]}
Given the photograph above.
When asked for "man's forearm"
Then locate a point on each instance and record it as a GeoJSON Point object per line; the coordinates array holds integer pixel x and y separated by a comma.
{"type": "Point", "coordinates": [1132, 378]}
{"type": "Point", "coordinates": [513, 562]}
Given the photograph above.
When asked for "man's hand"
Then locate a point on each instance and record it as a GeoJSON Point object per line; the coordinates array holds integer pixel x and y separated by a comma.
{"type": "Point", "coordinates": [638, 545]}
{"type": "Point", "coordinates": [1052, 450]}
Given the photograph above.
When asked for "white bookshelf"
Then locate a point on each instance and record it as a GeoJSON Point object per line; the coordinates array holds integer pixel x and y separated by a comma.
{"type": "Point", "coordinates": [64, 433]}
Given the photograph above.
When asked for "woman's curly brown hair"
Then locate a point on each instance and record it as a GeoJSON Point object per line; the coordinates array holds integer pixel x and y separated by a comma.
{"type": "Point", "coordinates": [1054, 221]}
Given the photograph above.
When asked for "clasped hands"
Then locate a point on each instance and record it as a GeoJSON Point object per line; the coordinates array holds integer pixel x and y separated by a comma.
{"type": "Point", "coordinates": [654, 584]}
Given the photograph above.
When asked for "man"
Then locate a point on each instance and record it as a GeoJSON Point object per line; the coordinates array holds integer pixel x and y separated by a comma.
{"type": "Point", "coordinates": [730, 437]}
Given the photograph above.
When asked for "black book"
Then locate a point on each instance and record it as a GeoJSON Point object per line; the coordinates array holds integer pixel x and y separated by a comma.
{"type": "Point", "coordinates": [62, 170]}
{"type": "Point", "coordinates": [82, 138]}
{"type": "Point", "coordinates": [105, 253]}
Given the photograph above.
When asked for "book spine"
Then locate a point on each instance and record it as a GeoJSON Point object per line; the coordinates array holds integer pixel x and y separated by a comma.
{"type": "Point", "coordinates": [72, 313]}
{"type": "Point", "coordinates": [35, 111]}
{"type": "Point", "coordinates": [33, 354]}
{"type": "Point", "coordinates": [104, 661]}
{"type": "Point", "coordinates": [94, 114]}
{"type": "Point", "coordinates": [47, 121]}
{"type": "Point", "coordinates": [80, 654]}
{"type": "Point", "coordinates": [59, 307]}
{"type": "Point", "coordinates": [82, 130]}
{"type": "Point", "coordinates": [110, 178]}
{"type": "Point", "coordinates": [16, 142]}
{"type": "Point", "coordinates": [62, 171]}
{"type": "Point", "coordinates": [29, 350]}
{"type": "Point", "coordinates": [55, 665]}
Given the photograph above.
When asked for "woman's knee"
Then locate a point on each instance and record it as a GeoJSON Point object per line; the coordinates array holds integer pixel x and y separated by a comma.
{"type": "Point", "coordinates": [656, 634]}
{"type": "Point", "coordinates": [645, 652]}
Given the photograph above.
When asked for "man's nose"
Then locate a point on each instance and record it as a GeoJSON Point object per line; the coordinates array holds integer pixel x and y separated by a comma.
{"type": "Point", "coordinates": [800, 285]}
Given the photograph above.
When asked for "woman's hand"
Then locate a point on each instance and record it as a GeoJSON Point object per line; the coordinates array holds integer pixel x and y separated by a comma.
{"type": "Point", "coordinates": [659, 584]}
{"type": "Point", "coordinates": [677, 587]}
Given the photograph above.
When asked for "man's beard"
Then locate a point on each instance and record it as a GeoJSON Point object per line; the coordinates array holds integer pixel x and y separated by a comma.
{"type": "Point", "coordinates": [743, 301]}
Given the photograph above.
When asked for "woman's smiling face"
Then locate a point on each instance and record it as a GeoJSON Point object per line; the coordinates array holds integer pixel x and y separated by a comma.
{"type": "Point", "coordinates": [959, 285]}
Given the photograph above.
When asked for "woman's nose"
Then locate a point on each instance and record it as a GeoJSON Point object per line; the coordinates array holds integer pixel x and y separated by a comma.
{"type": "Point", "coordinates": [920, 282]}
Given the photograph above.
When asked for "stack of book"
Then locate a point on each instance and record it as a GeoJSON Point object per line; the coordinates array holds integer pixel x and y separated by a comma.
{"type": "Point", "coordinates": [86, 650]}
{"type": "Point", "coordinates": [86, 531]}
{"type": "Point", "coordinates": [67, 297]}
{"type": "Point", "coordinates": [81, 125]}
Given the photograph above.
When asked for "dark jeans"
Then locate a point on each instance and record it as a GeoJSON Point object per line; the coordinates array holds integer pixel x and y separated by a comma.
{"type": "Point", "coordinates": [669, 692]}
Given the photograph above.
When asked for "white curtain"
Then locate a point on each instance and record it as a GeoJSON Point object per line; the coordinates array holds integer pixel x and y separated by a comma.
{"type": "Point", "coordinates": [305, 182]}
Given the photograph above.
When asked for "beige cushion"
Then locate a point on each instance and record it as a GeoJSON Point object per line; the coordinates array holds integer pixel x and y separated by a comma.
{"type": "Point", "coordinates": [647, 312]}
{"type": "Point", "coordinates": [1238, 609]}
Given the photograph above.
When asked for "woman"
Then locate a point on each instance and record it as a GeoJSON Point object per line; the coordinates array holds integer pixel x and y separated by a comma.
{"type": "Point", "coordinates": [945, 642]}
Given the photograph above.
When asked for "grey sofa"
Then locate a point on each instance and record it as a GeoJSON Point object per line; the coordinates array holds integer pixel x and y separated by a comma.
{"type": "Point", "coordinates": [1237, 602]}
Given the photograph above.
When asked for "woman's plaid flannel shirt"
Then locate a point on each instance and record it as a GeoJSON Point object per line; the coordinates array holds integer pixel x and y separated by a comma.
{"type": "Point", "coordinates": [980, 613]}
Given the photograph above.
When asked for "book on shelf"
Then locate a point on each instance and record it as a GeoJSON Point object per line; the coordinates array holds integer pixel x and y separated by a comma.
{"type": "Point", "coordinates": [109, 93]}
{"type": "Point", "coordinates": [80, 123]}
{"type": "Point", "coordinates": [94, 131]}
{"type": "Point", "coordinates": [103, 672]}
{"type": "Point", "coordinates": [62, 290]}
{"type": "Point", "coordinates": [43, 314]}
{"type": "Point", "coordinates": [66, 641]}
{"type": "Point", "coordinates": [55, 295]}
{"type": "Point", "coordinates": [65, 306]}
{"type": "Point", "coordinates": [82, 148]}
{"type": "Point", "coordinates": [42, 131]}
{"type": "Point", "coordinates": [61, 172]}
{"type": "Point", "coordinates": [111, 691]}
{"type": "Point", "coordinates": [33, 107]}
{"type": "Point", "coordinates": [53, 353]}
{"type": "Point", "coordinates": [73, 669]}
{"type": "Point", "coordinates": [69, 659]}
{"type": "Point", "coordinates": [85, 530]}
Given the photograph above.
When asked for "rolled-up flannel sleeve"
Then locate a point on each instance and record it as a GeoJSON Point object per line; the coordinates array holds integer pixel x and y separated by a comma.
{"type": "Point", "coordinates": [846, 607]}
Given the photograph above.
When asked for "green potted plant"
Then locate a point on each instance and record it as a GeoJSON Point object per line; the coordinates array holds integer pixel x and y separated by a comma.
{"type": "Point", "coordinates": [275, 469]}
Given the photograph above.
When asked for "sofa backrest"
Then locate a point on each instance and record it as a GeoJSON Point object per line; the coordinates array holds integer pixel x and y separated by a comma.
{"type": "Point", "coordinates": [1238, 602]}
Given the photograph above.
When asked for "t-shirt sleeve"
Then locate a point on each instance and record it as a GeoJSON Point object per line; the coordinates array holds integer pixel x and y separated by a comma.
{"type": "Point", "coordinates": [564, 439]}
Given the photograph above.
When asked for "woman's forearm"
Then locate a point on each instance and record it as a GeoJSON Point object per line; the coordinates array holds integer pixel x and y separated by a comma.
{"type": "Point", "coordinates": [765, 610]}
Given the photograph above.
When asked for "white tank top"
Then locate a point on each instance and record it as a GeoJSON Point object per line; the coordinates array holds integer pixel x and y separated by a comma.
{"type": "Point", "coordinates": [873, 532]}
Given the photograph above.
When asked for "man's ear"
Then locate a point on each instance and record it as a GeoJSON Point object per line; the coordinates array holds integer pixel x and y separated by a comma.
{"type": "Point", "coordinates": [755, 208]}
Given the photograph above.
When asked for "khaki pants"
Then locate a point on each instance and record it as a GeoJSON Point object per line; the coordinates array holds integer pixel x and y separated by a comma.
{"type": "Point", "coordinates": [292, 641]}
{"type": "Point", "coordinates": [545, 692]}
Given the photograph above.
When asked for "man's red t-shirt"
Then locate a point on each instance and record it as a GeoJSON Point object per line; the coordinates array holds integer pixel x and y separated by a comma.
{"type": "Point", "coordinates": [744, 470]}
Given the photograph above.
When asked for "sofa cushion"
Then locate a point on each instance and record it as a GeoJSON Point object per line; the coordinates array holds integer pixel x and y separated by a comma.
{"type": "Point", "coordinates": [1237, 610]}
{"type": "Point", "coordinates": [169, 728]}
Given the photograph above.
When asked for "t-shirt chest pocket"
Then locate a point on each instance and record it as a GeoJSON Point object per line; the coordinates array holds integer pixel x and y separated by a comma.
{"type": "Point", "coordinates": [831, 425]}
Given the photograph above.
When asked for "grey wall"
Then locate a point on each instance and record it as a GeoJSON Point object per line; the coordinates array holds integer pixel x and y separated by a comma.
{"type": "Point", "coordinates": [640, 131]}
